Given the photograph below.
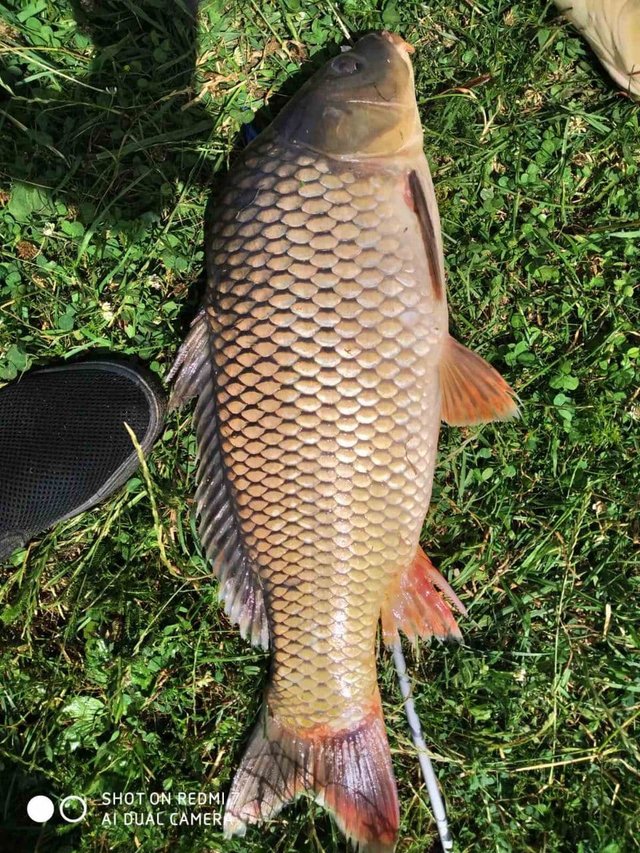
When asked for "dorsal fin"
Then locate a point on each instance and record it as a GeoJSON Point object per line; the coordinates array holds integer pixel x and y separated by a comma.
{"type": "Point", "coordinates": [220, 531]}
{"type": "Point", "coordinates": [189, 370]}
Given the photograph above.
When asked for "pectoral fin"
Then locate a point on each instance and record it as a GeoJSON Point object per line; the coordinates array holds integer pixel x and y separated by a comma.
{"type": "Point", "coordinates": [472, 391]}
{"type": "Point", "coordinates": [427, 219]}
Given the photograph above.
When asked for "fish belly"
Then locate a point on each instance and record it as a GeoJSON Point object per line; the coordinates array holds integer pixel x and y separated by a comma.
{"type": "Point", "coordinates": [326, 339]}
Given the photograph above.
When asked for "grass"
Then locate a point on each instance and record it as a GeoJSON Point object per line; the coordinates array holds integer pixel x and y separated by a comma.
{"type": "Point", "coordinates": [119, 670]}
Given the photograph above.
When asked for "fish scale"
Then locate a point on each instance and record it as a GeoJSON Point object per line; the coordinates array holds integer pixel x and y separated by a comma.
{"type": "Point", "coordinates": [323, 329]}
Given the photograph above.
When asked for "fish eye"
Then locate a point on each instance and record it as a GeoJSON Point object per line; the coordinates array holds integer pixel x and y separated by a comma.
{"type": "Point", "coordinates": [346, 64]}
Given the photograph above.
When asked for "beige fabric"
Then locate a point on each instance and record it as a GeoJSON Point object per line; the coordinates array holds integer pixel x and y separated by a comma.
{"type": "Point", "coordinates": [612, 28]}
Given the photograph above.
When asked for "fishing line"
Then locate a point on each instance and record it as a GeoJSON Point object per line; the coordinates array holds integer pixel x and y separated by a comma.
{"type": "Point", "coordinates": [428, 773]}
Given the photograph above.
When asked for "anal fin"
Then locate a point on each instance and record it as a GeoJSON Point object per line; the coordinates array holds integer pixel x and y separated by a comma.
{"type": "Point", "coordinates": [473, 392]}
{"type": "Point", "coordinates": [416, 607]}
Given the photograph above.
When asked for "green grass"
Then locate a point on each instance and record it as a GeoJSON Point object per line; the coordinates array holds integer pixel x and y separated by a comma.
{"type": "Point", "coordinates": [118, 669]}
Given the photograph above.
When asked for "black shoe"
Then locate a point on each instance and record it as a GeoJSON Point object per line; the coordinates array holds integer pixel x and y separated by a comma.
{"type": "Point", "coordinates": [63, 445]}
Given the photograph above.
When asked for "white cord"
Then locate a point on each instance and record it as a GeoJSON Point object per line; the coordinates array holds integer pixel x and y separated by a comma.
{"type": "Point", "coordinates": [426, 766]}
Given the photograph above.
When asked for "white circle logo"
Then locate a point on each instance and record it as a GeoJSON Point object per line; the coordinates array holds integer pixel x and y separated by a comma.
{"type": "Point", "coordinates": [73, 799]}
{"type": "Point", "coordinates": [40, 809]}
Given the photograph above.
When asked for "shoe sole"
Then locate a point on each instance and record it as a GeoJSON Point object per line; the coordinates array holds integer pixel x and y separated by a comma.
{"type": "Point", "coordinates": [155, 397]}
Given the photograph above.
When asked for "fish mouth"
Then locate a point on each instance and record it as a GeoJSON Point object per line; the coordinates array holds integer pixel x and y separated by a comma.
{"type": "Point", "coordinates": [398, 42]}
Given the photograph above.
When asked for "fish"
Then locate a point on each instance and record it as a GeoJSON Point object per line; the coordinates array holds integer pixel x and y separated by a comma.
{"type": "Point", "coordinates": [612, 28]}
{"type": "Point", "coordinates": [322, 366]}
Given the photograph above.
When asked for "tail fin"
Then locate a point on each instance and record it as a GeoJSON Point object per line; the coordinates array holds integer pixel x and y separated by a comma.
{"type": "Point", "coordinates": [349, 772]}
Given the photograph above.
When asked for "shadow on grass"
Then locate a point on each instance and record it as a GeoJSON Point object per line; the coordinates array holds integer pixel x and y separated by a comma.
{"type": "Point", "coordinates": [20, 834]}
{"type": "Point", "coordinates": [122, 140]}
{"type": "Point", "coordinates": [118, 141]}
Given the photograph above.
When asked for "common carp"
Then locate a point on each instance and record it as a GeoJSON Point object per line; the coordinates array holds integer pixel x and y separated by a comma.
{"type": "Point", "coordinates": [323, 366]}
{"type": "Point", "coordinates": [612, 28]}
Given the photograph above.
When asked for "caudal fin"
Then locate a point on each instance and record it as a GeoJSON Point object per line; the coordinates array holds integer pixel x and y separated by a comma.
{"type": "Point", "coordinates": [348, 772]}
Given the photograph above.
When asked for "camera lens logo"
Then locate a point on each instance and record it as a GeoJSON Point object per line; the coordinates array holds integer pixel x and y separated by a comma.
{"type": "Point", "coordinates": [72, 809]}
{"type": "Point", "coordinates": [40, 809]}
{"type": "Point", "coordinates": [75, 803]}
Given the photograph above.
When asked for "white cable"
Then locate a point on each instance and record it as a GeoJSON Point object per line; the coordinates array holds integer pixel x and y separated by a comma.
{"type": "Point", "coordinates": [426, 766]}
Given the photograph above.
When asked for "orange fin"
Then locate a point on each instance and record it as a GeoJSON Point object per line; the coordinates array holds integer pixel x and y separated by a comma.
{"type": "Point", "coordinates": [349, 772]}
{"type": "Point", "coordinates": [416, 607]}
{"type": "Point", "coordinates": [472, 391]}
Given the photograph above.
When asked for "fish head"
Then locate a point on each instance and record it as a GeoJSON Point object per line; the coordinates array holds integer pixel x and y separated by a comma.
{"type": "Point", "coordinates": [361, 104]}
